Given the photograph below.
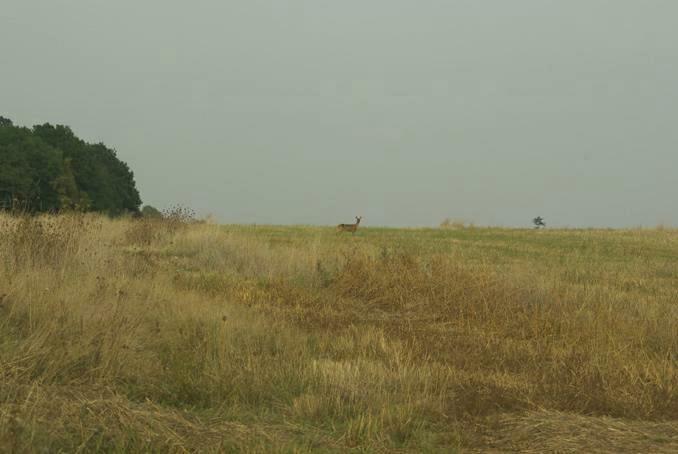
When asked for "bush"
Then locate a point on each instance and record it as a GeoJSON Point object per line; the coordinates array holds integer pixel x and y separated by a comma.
{"type": "Point", "coordinates": [150, 212]}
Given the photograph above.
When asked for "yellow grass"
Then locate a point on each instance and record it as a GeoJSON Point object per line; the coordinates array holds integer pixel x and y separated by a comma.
{"type": "Point", "coordinates": [136, 336]}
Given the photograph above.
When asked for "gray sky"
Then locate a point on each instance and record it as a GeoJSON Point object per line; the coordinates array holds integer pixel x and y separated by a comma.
{"type": "Point", "coordinates": [407, 112]}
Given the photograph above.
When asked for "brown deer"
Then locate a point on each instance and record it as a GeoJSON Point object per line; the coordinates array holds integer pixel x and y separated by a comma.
{"type": "Point", "coordinates": [349, 227]}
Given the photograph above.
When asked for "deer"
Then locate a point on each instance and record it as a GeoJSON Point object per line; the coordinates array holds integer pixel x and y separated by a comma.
{"type": "Point", "coordinates": [349, 227]}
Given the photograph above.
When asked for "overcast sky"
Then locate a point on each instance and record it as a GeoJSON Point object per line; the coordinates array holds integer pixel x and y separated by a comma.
{"type": "Point", "coordinates": [405, 112]}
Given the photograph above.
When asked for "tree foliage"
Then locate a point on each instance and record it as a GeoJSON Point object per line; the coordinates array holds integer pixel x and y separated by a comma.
{"type": "Point", "coordinates": [48, 168]}
{"type": "Point", "coordinates": [149, 211]}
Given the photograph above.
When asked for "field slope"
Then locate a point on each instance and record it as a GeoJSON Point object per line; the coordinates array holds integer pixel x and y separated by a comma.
{"type": "Point", "coordinates": [138, 336]}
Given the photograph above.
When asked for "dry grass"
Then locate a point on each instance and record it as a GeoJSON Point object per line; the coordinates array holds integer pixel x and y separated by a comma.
{"type": "Point", "coordinates": [547, 431]}
{"type": "Point", "coordinates": [122, 335]}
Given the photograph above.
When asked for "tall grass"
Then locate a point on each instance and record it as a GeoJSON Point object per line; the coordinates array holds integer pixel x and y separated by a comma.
{"type": "Point", "coordinates": [144, 335]}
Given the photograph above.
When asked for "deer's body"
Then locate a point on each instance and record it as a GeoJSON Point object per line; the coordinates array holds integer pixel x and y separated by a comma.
{"type": "Point", "coordinates": [349, 227]}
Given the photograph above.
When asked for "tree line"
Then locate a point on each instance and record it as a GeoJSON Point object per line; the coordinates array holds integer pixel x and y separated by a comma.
{"type": "Point", "coordinates": [48, 168]}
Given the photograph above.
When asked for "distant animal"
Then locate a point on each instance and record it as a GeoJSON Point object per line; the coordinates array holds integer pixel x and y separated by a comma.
{"type": "Point", "coordinates": [349, 227]}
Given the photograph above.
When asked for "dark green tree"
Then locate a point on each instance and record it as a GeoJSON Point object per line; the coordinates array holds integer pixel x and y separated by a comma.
{"type": "Point", "coordinates": [28, 170]}
{"type": "Point", "coordinates": [49, 168]}
{"type": "Point", "coordinates": [538, 222]}
{"type": "Point", "coordinates": [101, 177]}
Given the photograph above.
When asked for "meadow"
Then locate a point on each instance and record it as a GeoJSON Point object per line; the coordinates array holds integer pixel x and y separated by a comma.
{"type": "Point", "coordinates": [164, 336]}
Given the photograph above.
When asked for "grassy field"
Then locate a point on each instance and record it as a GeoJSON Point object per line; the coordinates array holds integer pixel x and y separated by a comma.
{"type": "Point", "coordinates": [138, 336]}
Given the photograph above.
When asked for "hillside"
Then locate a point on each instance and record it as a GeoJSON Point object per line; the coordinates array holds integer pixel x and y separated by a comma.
{"type": "Point", "coordinates": [150, 335]}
